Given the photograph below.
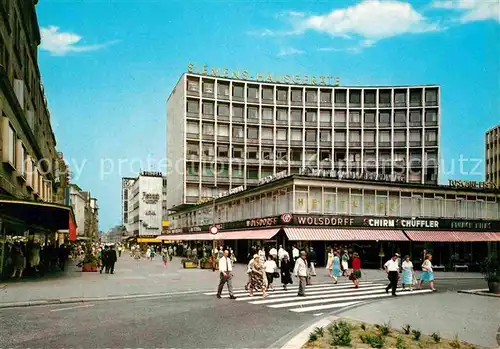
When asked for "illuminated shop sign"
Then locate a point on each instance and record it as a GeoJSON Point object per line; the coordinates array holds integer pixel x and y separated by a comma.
{"type": "Point", "coordinates": [404, 223]}
{"type": "Point", "coordinates": [273, 178]}
{"type": "Point", "coordinates": [221, 195]}
{"type": "Point", "coordinates": [243, 74]}
{"type": "Point", "coordinates": [472, 184]}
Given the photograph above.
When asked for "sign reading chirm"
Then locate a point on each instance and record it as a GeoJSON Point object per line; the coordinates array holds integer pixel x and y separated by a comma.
{"type": "Point", "coordinates": [352, 222]}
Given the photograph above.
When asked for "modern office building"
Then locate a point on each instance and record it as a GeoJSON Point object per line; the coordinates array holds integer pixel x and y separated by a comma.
{"type": "Point", "coordinates": [493, 155]}
{"type": "Point", "coordinates": [223, 134]}
{"type": "Point", "coordinates": [142, 204]}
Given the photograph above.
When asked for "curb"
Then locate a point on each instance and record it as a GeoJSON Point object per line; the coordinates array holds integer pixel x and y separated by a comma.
{"type": "Point", "coordinates": [300, 339]}
{"type": "Point", "coordinates": [482, 292]}
{"type": "Point", "coordinates": [90, 299]}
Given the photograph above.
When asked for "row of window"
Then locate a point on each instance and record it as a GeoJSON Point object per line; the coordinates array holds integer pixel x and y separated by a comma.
{"type": "Point", "coordinates": [299, 95]}
{"type": "Point", "coordinates": [311, 115]}
{"type": "Point", "coordinates": [369, 137]}
{"type": "Point", "coordinates": [298, 154]}
{"type": "Point", "coordinates": [17, 157]}
{"type": "Point", "coordinates": [328, 201]}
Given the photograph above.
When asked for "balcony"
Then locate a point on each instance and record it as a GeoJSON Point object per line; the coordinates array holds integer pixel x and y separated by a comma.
{"type": "Point", "coordinates": [208, 116]}
{"type": "Point", "coordinates": [399, 144]}
{"type": "Point", "coordinates": [207, 137]}
{"type": "Point", "coordinates": [223, 139]}
{"type": "Point", "coordinates": [267, 121]}
{"type": "Point", "coordinates": [253, 161]}
{"type": "Point", "coordinates": [192, 178]}
{"type": "Point", "coordinates": [192, 136]}
{"type": "Point", "coordinates": [223, 180]}
{"type": "Point", "coordinates": [192, 199]}
{"type": "Point", "coordinates": [281, 102]}
{"type": "Point", "coordinates": [194, 93]}
{"type": "Point", "coordinates": [312, 103]}
{"type": "Point", "coordinates": [340, 144]}
{"type": "Point", "coordinates": [206, 179]}
{"type": "Point", "coordinates": [369, 125]}
{"type": "Point", "coordinates": [431, 103]}
{"type": "Point", "coordinates": [238, 140]}
{"type": "Point", "coordinates": [253, 141]}
{"type": "Point", "coordinates": [193, 157]}
{"type": "Point", "coordinates": [355, 124]}
{"type": "Point", "coordinates": [281, 142]}
{"type": "Point", "coordinates": [416, 143]}
{"type": "Point", "coordinates": [431, 123]}
{"type": "Point", "coordinates": [340, 124]}
{"type": "Point", "coordinates": [238, 99]}
{"type": "Point", "coordinates": [253, 100]}
{"type": "Point", "coordinates": [326, 103]}
{"type": "Point", "coordinates": [282, 122]}
{"type": "Point", "coordinates": [223, 118]}
{"type": "Point", "coordinates": [193, 115]}
{"type": "Point", "coordinates": [296, 142]}
{"type": "Point", "coordinates": [399, 124]}
{"type": "Point", "coordinates": [208, 94]}
{"type": "Point", "coordinates": [431, 143]}
{"type": "Point", "coordinates": [340, 104]}
{"type": "Point", "coordinates": [370, 105]}
{"type": "Point", "coordinates": [384, 125]}
{"type": "Point", "coordinates": [223, 96]}
{"type": "Point", "coordinates": [355, 144]}
{"type": "Point", "coordinates": [296, 162]}
{"type": "Point", "coordinates": [384, 144]}
{"type": "Point", "coordinates": [237, 180]}
{"type": "Point", "coordinates": [354, 105]}
{"type": "Point", "coordinates": [326, 144]}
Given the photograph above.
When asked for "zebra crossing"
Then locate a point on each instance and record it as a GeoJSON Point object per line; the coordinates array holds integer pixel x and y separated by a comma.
{"type": "Point", "coordinates": [319, 297]}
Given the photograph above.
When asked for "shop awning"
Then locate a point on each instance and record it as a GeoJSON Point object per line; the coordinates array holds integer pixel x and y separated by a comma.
{"type": "Point", "coordinates": [251, 234]}
{"type": "Point", "coordinates": [149, 240]}
{"type": "Point", "coordinates": [452, 236]}
{"type": "Point", "coordinates": [331, 234]}
{"type": "Point", "coordinates": [189, 237]}
{"type": "Point", "coordinates": [39, 215]}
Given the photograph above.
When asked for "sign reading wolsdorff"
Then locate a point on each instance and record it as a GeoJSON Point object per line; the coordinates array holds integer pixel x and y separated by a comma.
{"type": "Point", "coordinates": [288, 219]}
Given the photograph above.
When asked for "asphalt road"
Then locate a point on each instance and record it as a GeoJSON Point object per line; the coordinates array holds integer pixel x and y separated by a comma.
{"type": "Point", "coordinates": [181, 321]}
{"type": "Point", "coordinates": [176, 322]}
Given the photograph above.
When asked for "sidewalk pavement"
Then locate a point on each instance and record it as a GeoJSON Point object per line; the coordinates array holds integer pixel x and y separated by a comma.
{"type": "Point", "coordinates": [473, 319]}
{"type": "Point", "coordinates": [136, 278]}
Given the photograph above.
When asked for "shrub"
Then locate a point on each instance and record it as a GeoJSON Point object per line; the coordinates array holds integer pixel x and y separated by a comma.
{"type": "Point", "coordinates": [340, 333]}
{"type": "Point", "coordinates": [490, 268]}
{"type": "Point", "coordinates": [416, 334]}
{"type": "Point", "coordinates": [375, 341]}
{"type": "Point", "coordinates": [319, 331]}
{"type": "Point", "coordinates": [455, 344]}
{"type": "Point", "coordinates": [407, 329]}
{"type": "Point", "coordinates": [436, 337]}
{"type": "Point", "coordinates": [313, 337]}
{"type": "Point", "coordinates": [363, 327]}
{"type": "Point", "coordinates": [385, 329]}
{"type": "Point", "coordinates": [400, 343]}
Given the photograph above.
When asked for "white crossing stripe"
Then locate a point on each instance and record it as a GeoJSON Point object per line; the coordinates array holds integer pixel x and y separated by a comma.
{"type": "Point", "coordinates": [292, 288]}
{"type": "Point", "coordinates": [336, 305]}
{"type": "Point", "coordinates": [333, 294]}
{"type": "Point", "coordinates": [272, 298]}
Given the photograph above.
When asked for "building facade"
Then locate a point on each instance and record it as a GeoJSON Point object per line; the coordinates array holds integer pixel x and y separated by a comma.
{"type": "Point", "coordinates": [142, 204]}
{"type": "Point", "coordinates": [493, 155]}
{"type": "Point", "coordinates": [79, 202]}
{"type": "Point", "coordinates": [28, 142]}
{"type": "Point", "coordinates": [225, 133]}
{"type": "Point", "coordinates": [314, 209]}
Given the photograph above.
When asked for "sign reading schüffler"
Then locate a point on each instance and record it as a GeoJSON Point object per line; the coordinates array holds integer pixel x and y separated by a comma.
{"type": "Point", "coordinates": [401, 223]}
{"type": "Point", "coordinates": [297, 79]}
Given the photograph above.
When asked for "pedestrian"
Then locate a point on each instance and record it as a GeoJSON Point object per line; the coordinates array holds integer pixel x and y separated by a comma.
{"type": "Point", "coordinates": [274, 253]}
{"type": "Point", "coordinates": [286, 271]}
{"type": "Point", "coordinates": [300, 271]}
{"type": "Point", "coordinates": [257, 277]}
{"type": "Point", "coordinates": [112, 258]}
{"type": "Point", "coordinates": [18, 260]}
{"type": "Point", "coordinates": [336, 267]}
{"type": "Point", "coordinates": [281, 255]}
{"type": "Point", "coordinates": [271, 269]}
{"type": "Point", "coordinates": [152, 253]}
{"type": "Point", "coordinates": [312, 261]}
{"type": "Point", "coordinates": [295, 253]}
{"type": "Point", "coordinates": [345, 264]}
{"type": "Point", "coordinates": [170, 253]}
{"type": "Point", "coordinates": [249, 274]}
{"type": "Point", "coordinates": [165, 257]}
{"type": "Point", "coordinates": [329, 262]}
{"type": "Point", "coordinates": [120, 249]}
{"type": "Point", "coordinates": [392, 269]}
{"type": "Point", "coordinates": [226, 274]}
{"type": "Point", "coordinates": [356, 269]}
{"type": "Point", "coordinates": [407, 273]}
{"type": "Point", "coordinates": [262, 255]}
{"type": "Point", "coordinates": [104, 259]}
{"type": "Point", "coordinates": [427, 273]}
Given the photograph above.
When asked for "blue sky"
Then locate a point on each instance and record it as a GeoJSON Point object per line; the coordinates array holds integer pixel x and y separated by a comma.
{"type": "Point", "coordinates": [109, 66]}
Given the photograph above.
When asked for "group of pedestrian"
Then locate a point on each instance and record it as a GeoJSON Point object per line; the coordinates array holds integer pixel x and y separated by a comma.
{"type": "Point", "coordinates": [108, 258]}
{"type": "Point", "coordinates": [344, 263]}
{"type": "Point", "coordinates": [396, 270]}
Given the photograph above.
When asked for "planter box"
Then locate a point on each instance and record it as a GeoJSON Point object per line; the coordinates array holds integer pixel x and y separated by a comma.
{"type": "Point", "coordinates": [190, 265]}
{"type": "Point", "coordinates": [206, 266]}
{"type": "Point", "coordinates": [494, 287]}
{"type": "Point", "coordinates": [89, 267]}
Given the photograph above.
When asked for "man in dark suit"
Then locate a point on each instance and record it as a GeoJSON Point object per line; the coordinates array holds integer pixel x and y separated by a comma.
{"type": "Point", "coordinates": [112, 258]}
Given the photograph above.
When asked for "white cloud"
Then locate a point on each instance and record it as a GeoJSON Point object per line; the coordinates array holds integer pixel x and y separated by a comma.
{"type": "Point", "coordinates": [351, 49]}
{"type": "Point", "coordinates": [61, 43]}
{"type": "Point", "coordinates": [472, 10]}
{"type": "Point", "coordinates": [289, 51]}
{"type": "Point", "coordinates": [370, 19]}
{"type": "Point", "coordinates": [263, 32]}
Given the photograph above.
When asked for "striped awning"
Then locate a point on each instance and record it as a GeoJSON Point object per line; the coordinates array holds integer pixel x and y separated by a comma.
{"type": "Point", "coordinates": [251, 234]}
{"type": "Point", "coordinates": [331, 234]}
{"type": "Point", "coordinates": [452, 236]}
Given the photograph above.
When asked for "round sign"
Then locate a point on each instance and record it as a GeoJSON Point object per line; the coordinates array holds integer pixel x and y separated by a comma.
{"type": "Point", "coordinates": [286, 218]}
{"type": "Point", "coordinates": [214, 230]}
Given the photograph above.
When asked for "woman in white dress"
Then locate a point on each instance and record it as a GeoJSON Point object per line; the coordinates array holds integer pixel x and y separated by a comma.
{"type": "Point", "coordinates": [407, 268]}
{"type": "Point", "coordinates": [329, 263]}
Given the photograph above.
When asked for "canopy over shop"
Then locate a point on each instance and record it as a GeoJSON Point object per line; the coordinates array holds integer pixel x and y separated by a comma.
{"type": "Point", "coordinates": [365, 233]}
{"type": "Point", "coordinates": [37, 223]}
